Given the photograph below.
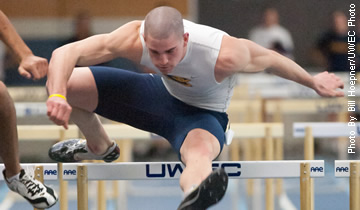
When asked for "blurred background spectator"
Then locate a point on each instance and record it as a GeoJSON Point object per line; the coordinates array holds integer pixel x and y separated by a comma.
{"type": "Point", "coordinates": [331, 50]}
{"type": "Point", "coordinates": [270, 34]}
{"type": "Point", "coordinates": [81, 27]}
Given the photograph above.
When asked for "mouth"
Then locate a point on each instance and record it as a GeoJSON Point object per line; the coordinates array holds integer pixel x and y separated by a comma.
{"type": "Point", "coordinates": [164, 69]}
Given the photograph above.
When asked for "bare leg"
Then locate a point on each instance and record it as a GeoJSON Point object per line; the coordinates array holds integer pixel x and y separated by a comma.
{"type": "Point", "coordinates": [42, 196]}
{"type": "Point", "coordinates": [83, 97]}
{"type": "Point", "coordinates": [8, 133]}
{"type": "Point", "coordinates": [90, 125]}
{"type": "Point", "coordinates": [197, 152]}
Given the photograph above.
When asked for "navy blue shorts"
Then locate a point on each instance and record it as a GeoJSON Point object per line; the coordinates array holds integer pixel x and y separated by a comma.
{"type": "Point", "coordinates": [142, 101]}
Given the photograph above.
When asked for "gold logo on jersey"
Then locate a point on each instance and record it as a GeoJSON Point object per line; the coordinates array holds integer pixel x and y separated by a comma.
{"type": "Point", "coordinates": [181, 80]}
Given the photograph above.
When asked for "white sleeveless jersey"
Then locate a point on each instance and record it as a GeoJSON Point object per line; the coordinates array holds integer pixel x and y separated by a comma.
{"type": "Point", "coordinates": [193, 80]}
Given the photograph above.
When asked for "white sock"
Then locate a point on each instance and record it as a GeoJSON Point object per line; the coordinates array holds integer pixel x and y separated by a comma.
{"type": "Point", "coordinates": [110, 149]}
{"type": "Point", "coordinates": [15, 177]}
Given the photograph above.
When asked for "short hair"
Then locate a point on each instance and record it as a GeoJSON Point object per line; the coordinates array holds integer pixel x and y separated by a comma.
{"type": "Point", "coordinates": [162, 22]}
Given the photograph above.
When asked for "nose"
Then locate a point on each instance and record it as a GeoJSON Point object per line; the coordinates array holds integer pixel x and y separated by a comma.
{"type": "Point", "coordinates": [163, 59]}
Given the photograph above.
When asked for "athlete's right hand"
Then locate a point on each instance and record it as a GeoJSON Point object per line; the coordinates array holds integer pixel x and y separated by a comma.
{"type": "Point", "coordinates": [58, 111]}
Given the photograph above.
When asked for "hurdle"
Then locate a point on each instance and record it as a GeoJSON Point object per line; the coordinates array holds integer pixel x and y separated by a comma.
{"type": "Point", "coordinates": [33, 94]}
{"type": "Point", "coordinates": [249, 109]}
{"type": "Point", "coordinates": [50, 133]}
{"type": "Point", "coordinates": [172, 170]}
{"type": "Point", "coordinates": [323, 130]}
{"type": "Point", "coordinates": [271, 86]}
{"type": "Point", "coordinates": [242, 130]}
{"type": "Point", "coordinates": [46, 132]}
{"type": "Point", "coordinates": [311, 130]}
{"type": "Point", "coordinates": [253, 134]}
{"type": "Point", "coordinates": [84, 172]}
{"type": "Point", "coordinates": [49, 170]}
{"type": "Point", "coordinates": [121, 132]}
{"type": "Point", "coordinates": [306, 106]}
{"type": "Point", "coordinates": [245, 111]}
{"type": "Point", "coordinates": [350, 169]}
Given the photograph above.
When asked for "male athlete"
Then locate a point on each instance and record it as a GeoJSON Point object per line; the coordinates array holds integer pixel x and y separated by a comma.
{"type": "Point", "coordinates": [185, 102]}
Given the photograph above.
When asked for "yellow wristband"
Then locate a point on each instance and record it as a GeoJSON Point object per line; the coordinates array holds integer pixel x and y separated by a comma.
{"type": "Point", "coordinates": [58, 95]}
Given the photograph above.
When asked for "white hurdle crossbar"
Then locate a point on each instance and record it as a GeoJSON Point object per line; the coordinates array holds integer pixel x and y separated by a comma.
{"type": "Point", "coordinates": [122, 131]}
{"type": "Point", "coordinates": [50, 170]}
{"type": "Point", "coordinates": [46, 132]}
{"type": "Point", "coordinates": [342, 130]}
{"type": "Point", "coordinates": [326, 129]}
{"type": "Point", "coordinates": [350, 169]}
{"type": "Point", "coordinates": [172, 170]}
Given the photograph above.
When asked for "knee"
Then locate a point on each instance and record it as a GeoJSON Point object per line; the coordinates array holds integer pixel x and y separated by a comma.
{"type": "Point", "coordinates": [199, 144]}
{"type": "Point", "coordinates": [195, 154]}
{"type": "Point", "coordinates": [6, 103]}
{"type": "Point", "coordinates": [4, 95]}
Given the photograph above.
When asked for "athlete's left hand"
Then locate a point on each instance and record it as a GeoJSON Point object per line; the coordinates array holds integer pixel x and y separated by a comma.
{"type": "Point", "coordinates": [326, 84]}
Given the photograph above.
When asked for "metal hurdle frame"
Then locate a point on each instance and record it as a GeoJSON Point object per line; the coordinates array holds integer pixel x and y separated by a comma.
{"type": "Point", "coordinates": [350, 169]}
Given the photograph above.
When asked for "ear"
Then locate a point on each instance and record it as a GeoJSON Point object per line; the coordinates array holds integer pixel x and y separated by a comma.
{"type": "Point", "coordinates": [143, 35]}
{"type": "Point", "coordinates": [186, 39]}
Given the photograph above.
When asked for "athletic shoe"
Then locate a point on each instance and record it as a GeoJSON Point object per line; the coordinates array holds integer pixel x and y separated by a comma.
{"type": "Point", "coordinates": [208, 193]}
{"type": "Point", "coordinates": [39, 195]}
{"type": "Point", "coordinates": [74, 150]}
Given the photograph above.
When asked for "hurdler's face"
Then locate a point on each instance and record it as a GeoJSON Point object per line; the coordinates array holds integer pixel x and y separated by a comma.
{"type": "Point", "coordinates": [166, 53]}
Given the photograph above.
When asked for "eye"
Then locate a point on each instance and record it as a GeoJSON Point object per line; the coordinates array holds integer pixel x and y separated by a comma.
{"type": "Point", "coordinates": [154, 52]}
{"type": "Point", "coordinates": [170, 51]}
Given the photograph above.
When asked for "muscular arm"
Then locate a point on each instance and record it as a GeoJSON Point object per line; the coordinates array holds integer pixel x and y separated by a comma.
{"type": "Point", "coordinates": [30, 65]}
{"type": "Point", "coordinates": [122, 42]}
{"type": "Point", "coordinates": [11, 38]}
{"type": "Point", "coordinates": [241, 55]}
